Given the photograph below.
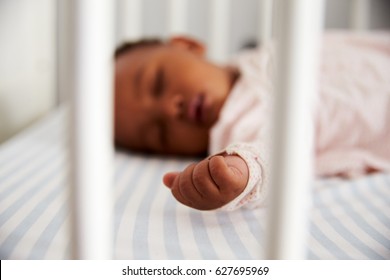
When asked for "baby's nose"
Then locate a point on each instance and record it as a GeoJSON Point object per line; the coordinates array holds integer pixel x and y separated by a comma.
{"type": "Point", "coordinates": [173, 107]}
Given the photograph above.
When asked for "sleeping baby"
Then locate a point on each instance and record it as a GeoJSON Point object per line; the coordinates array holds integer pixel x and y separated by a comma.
{"type": "Point", "coordinates": [171, 100]}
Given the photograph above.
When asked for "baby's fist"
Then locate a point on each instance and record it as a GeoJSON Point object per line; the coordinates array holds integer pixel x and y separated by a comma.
{"type": "Point", "coordinates": [209, 184]}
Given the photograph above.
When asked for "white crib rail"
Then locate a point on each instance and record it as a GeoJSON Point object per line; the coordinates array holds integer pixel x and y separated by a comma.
{"type": "Point", "coordinates": [298, 37]}
{"type": "Point", "coordinates": [265, 20]}
{"type": "Point", "coordinates": [90, 80]}
{"type": "Point", "coordinates": [177, 17]}
{"type": "Point", "coordinates": [129, 20]}
{"type": "Point", "coordinates": [219, 29]}
{"type": "Point", "coordinates": [360, 10]}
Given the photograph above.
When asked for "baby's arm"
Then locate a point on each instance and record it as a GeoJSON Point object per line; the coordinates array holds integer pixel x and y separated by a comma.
{"type": "Point", "coordinates": [210, 183]}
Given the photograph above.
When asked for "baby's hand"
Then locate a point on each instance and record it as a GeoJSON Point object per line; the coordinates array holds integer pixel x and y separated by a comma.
{"type": "Point", "coordinates": [210, 183]}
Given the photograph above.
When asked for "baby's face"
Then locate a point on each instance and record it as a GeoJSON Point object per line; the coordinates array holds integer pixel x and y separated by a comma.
{"type": "Point", "coordinates": [167, 98]}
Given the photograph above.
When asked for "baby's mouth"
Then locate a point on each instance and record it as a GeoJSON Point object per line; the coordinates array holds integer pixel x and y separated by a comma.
{"type": "Point", "coordinates": [196, 109]}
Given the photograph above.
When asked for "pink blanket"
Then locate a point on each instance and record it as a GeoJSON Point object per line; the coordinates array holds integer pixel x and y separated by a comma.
{"type": "Point", "coordinates": [352, 115]}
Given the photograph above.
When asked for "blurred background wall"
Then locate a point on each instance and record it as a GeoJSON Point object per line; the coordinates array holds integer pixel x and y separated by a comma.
{"type": "Point", "coordinates": [27, 62]}
{"type": "Point", "coordinates": [28, 39]}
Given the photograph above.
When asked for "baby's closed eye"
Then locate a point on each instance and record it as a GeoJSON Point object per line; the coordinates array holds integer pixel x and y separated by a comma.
{"type": "Point", "coordinates": [159, 82]}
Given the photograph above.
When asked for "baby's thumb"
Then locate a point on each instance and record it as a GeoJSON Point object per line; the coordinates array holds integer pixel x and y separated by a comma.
{"type": "Point", "coordinates": [238, 167]}
{"type": "Point", "coordinates": [169, 178]}
{"type": "Point", "coordinates": [229, 170]}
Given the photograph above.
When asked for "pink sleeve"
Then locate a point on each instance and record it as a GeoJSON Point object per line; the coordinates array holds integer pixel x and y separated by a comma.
{"type": "Point", "coordinates": [256, 190]}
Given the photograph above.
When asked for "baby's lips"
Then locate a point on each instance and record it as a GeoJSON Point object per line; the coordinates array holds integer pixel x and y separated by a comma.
{"type": "Point", "coordinates": [196, 109]}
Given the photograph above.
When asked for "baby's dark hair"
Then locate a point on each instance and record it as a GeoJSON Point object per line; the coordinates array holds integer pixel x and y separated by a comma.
{"type": "Point", "coordinates": [127, 46]}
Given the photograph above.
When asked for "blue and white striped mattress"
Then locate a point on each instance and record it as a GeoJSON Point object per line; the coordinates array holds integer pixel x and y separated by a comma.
{"type": "Point", "coordinates": [348, 219]}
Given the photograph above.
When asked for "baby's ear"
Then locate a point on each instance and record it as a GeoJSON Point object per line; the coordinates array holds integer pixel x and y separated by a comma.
{"type": "Point", "coordinates": [188, 43]}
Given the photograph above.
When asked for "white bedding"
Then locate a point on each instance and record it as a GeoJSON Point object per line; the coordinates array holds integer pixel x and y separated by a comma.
{"type": "Point", "coordinates": [348, 219]}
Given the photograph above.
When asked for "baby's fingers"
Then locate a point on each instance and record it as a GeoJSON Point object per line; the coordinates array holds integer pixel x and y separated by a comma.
{"type": "Point", "coordinates": [230, 173]}
{"type": "Point", "coordinates": [169, 178]}
{"type": "Point", "coordinates": [183, 189]}
{"type": "Point", "coordinates": [195, 188]}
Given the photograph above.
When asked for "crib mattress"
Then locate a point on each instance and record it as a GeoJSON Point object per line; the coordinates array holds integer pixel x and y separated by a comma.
{"type": "Point", "coordinates": [349, 219]}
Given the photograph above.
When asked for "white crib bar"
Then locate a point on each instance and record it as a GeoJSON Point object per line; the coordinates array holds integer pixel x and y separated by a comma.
{"type": "Point", "coordinates": [129, 20]}
{"type": "Point", "coordinates": [91, 127]}
{"type": "Point", "coordinates": [177, 16]}
{"type": "Point", "coordinates": [64, 25]}
{"type": "Point", "coordinates": [219, 29]}
{"type": "Point", "coordinates": [360, 11]}
{"type": "Point", "coordinates": [265, 20]}
{"type": "Point", "coordinates": [298, 44]}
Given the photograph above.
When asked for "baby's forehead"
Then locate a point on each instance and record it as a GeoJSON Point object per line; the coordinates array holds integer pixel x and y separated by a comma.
{"type": "Point", "coordinates": [127, 63]}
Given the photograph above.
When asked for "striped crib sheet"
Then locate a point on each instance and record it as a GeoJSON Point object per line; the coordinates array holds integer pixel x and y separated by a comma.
{"type": "Point", "coordinates": [348, 219]}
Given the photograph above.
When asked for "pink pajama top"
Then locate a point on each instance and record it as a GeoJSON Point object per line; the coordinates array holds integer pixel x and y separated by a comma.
{"type": "Point", "coordinates": [351, 113]}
